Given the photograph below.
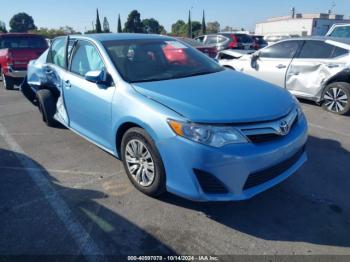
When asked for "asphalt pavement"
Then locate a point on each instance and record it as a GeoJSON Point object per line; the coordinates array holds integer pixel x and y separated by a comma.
{"type": "Point", "coordinates": [60, 194]}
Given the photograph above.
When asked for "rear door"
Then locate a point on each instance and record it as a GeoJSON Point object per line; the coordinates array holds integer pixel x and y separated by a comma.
{"type": "Point", "coordinates": [274, 61]}
{"type": "Point", "coordinates": [88, 104]}
{"type": "Point", "coordinates": [315, 63]}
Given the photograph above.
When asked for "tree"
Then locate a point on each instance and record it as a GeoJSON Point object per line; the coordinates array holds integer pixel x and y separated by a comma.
{"type": "Point", "coordinates": [22, 22]}
{"type": "Point", "coordinates": [133, 23]}
{"type": "Point", "coordinates": [106, 26]}
{"type": "Point", "coordinates": [152, 26]}
{"type": "Point", "coordinates": [52, 33]}
{"type": "Point", "coordinates": [228, 29]}
{"type": "Point", "coordinates": [204, 26]}
{"type": "Point", "coordinates": [98, 28]}
{"type": "Point", "coordinates": [213, 27]}
{"type": "Point", "coordinates": [189, 26]}
{"type": "Point", "coordinates": [120, 30]}
{"type": "Point", "coordinates": [3, 27]}
{"type": "Point", "coordinates": [179, 28]}
{"type": "Point", "coordinates": [196, 28]}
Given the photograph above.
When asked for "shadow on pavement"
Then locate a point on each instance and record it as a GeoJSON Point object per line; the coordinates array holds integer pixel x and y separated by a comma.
{"type": "Point", "coordinates": [312, 206]}
{"type": "Point", "coordinates": [29, 224]}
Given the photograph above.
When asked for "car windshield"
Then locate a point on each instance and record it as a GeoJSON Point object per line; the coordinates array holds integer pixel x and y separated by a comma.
{"type": "Point", "coordinates": [23, 42]}
{"type": "Point", "coordinates": [156, 60]}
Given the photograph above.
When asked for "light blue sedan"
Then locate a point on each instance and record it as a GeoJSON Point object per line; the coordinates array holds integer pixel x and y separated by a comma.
{"type": "Point", "coordinates": [179, 122]}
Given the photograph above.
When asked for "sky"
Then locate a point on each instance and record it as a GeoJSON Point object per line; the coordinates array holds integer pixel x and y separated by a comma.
{"type": "Point", "coordinates": [236, 13]}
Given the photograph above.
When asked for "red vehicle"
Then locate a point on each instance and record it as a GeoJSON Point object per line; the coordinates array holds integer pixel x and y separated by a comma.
{"type": "Point", "coordinates": [210, 51]}
{"type": "Point", "coordinates": [16, 50]}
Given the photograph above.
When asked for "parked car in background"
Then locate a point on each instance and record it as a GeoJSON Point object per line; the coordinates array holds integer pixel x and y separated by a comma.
{"type": "Point", "coordinates": [339, 30]}
{"type": "Point", "coordinates": [312, 68]}
{"type": "Point", "coordinates": [194, 129]}
{"type": "Point", "coordinates": [274, 38]}
{"type": "Point", "coordinates": [16, 50]}
{"type": "Point", "coordinates": [224, 41]}
{"type": "Point", "coordinates": [210, 51]}
{"type": "Point", "coordinates": [259, 42]}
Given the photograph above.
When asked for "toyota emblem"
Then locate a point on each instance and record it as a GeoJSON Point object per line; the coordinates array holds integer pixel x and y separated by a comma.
{"type": "Point", "coordinates": [284, 128]}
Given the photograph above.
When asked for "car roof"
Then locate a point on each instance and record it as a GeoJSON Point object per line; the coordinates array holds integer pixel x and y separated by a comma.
{"type": "Point", "coordinates": [343, 40]}
{"type": "Point", "coordinates": [119, 36]}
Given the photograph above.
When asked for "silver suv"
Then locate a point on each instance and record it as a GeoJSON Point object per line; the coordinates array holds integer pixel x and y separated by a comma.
{"type": "Point", "coordinates": [317, 69]}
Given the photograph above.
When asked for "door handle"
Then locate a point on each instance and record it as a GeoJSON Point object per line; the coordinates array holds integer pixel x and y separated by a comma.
{"type": "Point", "coordinates": [281, 66]}
{"type": "Point", "coordinates": [332, 65]}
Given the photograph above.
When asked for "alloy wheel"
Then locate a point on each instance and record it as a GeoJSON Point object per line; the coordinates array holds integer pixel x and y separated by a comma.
{"type": "Point", "coordinates": [139, 162]}
{"type": "Point", "coordinates": [335, 99]}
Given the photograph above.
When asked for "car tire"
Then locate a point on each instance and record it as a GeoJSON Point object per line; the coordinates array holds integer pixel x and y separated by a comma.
{"type": "Point", "coordinates": [137, 166]}
{"type": "Point", "coordinates": [47, 106]}
{"type": "Point", "coordinates": [8, 82]}
{"type": "Point", "coordinates": [336, 98]}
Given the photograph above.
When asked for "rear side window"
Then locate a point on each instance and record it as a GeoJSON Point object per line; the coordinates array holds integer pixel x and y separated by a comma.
{"type": "Point", "coordinates": [23, 42]}
{"type": "Point", "coordinates": [339, 52]}
{"type": "Point", "coordinates": [211, 40]}
{"type": "Point", "coordinates": [222, 39]}
{"type": "Point", "coordinates": [85, 59]}
{"type": "Point", "coordinates": [56, 55]}
{"type": "Point", "coordinates": [285, 49]}
{"type": "Point", "coordinates": [320, 49]}
{"type": "Point", "coordinates": [316, 49]}
{"type": "Point", "coordinates": [341, 31]}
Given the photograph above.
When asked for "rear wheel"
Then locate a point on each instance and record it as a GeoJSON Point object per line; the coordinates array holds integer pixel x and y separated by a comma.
{"type": "Point", "coordinates": [142, 162]}
{"type": "Point", "coordinates": [336, 98]}
{"type": "Point", "coordinates": [8, 82]}
{"type": "Point", "coordinates": [47, 106]}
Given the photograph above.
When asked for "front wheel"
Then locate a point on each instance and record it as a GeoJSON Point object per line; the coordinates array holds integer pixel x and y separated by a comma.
{"type": "Point", "coordinates": [142, 162]}
{"type": "Point", "coordinates": [47, 106]}
{"type": "Point", "coordinates": [336, 98]}
{"type": "Point", "coordinates": [8, 82]}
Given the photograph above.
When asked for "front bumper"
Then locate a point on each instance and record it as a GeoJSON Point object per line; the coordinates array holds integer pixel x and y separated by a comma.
{"type": "Point", "coordinates": [15, 73]}
{"type": "Point", "coordinates": [231, 165]}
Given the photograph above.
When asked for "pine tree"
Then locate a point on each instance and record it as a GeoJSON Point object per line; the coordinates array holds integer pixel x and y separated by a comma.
{"type": "Point", "coordinates": [106, 25]}
{"type": "Point", "coordinates": [204, 25]}
{"type": "Point", "coordinates": [120, 30]}
{"type": "Point", "coordinates": [98, 23]}
{"type": "Point", "coordinates": [189, 25]}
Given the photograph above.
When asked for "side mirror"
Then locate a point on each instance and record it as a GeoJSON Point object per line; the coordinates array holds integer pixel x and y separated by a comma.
{"type": "Point", "coordinates": [100, 77]}
{"type": "Point", "coordinates": [253, 60]}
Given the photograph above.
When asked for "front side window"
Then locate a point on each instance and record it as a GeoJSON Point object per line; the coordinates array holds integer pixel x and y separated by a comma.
{"type": "Point", "coordinates": [85, 59]}
{"type": "Point", "coordinates": [285, 49]}
{"type": "Point", "coordinates": [57, 52]}
{"type": "Point", "coordinates": [156, 60]}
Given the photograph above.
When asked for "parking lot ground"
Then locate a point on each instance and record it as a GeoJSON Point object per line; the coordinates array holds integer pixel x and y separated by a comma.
{"type": "Point", "coordinates": [59, 194]}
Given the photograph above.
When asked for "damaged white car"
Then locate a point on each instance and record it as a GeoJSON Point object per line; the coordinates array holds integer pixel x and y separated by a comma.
{"type": "Point", "coordinates": [316, 69]}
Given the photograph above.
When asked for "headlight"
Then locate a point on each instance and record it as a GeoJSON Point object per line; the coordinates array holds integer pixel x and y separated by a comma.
{"type": "Point", "coordinates": [216, 136]}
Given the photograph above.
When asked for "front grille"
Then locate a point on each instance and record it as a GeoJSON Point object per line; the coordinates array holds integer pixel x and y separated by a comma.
{"type": "Point", "coordinates": [263, 138]}
{"type": "Point", "coordinates": [265, 133]}
{"type": "Point", "coordinates": [263, 176]}
{"type": "Point", "coordinates": [209, 183]}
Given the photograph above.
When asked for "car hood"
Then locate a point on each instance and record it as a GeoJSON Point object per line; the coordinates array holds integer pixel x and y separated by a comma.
{"type": "Point", "coordinates": [223, 97]}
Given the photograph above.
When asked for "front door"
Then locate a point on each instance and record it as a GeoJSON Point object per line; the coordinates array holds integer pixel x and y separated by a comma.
{"type": "Point", "coordinates": [273, 62]}
{"type": "Point", "coordinates": [88, 104]}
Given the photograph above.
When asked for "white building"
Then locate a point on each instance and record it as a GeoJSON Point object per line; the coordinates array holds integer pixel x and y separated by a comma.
{"type": "Point", "coordinates": [299, 24]}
